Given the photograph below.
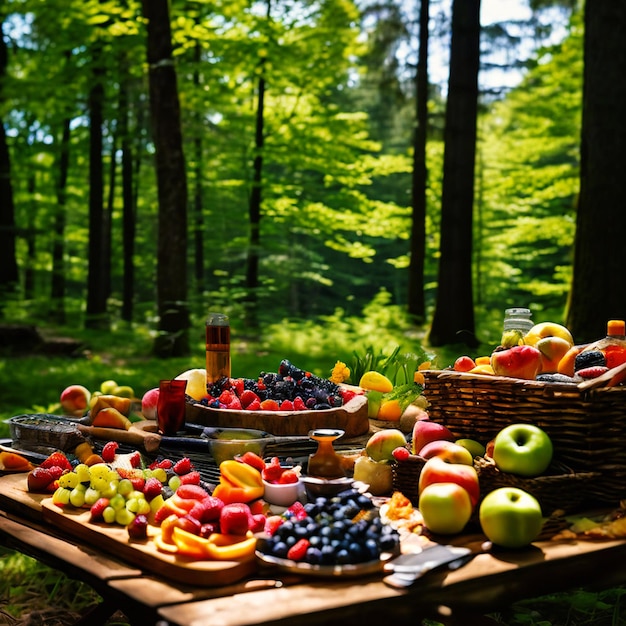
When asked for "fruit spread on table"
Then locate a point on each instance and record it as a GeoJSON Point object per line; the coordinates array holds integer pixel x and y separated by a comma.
{"type": "Point", "coordinates": [172, 502]}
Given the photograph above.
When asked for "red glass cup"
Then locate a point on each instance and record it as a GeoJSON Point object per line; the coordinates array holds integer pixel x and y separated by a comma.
{"type": "Point", "coordinates": [171, 406]}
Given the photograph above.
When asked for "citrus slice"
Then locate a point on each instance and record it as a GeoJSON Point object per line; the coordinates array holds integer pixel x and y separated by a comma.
{"type": "Point", "coordinates": [375, 381]}
{"type": "Point", "coordinates": [196, 382]}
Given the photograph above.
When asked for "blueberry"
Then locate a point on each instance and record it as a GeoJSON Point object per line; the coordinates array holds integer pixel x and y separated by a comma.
{"type": "Point", "coordinates": [280, 550]}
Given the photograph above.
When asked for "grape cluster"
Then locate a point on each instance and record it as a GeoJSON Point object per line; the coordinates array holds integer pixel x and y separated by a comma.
{"type": "Point", "coordinates": [289, 383]}
{"type": "Point", "coordinates": [342, 530]}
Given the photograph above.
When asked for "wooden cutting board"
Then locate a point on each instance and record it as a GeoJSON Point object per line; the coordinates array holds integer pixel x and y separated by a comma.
{"type": "Point", "coordinates": [15, 498]}
{"type": "Point", "coordinates": [144, 554]}
{"type": "Point", "coordinates": [351, 418]}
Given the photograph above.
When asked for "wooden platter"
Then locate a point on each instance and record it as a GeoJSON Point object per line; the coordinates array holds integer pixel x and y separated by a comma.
{"type": "Point", "coordinates": [351, 418]}
{"type": "Point", "coordinates": [144, 554]}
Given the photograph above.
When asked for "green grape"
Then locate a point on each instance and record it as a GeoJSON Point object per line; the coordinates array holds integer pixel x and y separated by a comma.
{"type": "Point", "coordinates": [132, 504]}
{"type": "Point", "coordinates": [77, 497]}
{"type": "Point", "coordinates": [61, 496]}
{"type": "Point", "coordinates": [91, 495]}
{"type": "Point", "coordinates": [117, 501]}
{"type": "Point", "coordinates": [144, 507]}
{"type": "Point", "coordinates": [110, 490]}
{"type": "Point", "coordinates": [83, 472]}
{"type": "Point", "coordinates": [124, 517]}
{"type": "Point", "coordinates": [108, 515]}
{"type": "Point", "coordinates": [160, 474]}
{"type": "Point", "coordinates": [174, 482]}
{"type": "Point", "coordinates": [69, 480]}
{"type": "Point", "coordinates": [99, 483]}
{"type": "Point", "coordinates": [125, 487]}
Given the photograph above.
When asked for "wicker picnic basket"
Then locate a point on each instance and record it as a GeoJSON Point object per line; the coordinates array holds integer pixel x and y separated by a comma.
{"type": "Point", "coordinates": [587, 427]}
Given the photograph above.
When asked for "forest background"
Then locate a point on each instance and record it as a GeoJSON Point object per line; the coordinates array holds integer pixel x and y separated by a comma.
{"type": "Point", "coordinates": [289, 183]}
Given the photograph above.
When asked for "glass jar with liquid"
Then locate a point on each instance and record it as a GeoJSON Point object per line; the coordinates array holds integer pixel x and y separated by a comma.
{"type": "Point", "coordinates": [517, 322]}
{"type": "Point", "coordinates": [217, 347]}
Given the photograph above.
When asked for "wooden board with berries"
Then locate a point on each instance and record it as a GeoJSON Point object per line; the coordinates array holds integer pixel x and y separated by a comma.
{"type": "Point", "coordinates": [144, 553]}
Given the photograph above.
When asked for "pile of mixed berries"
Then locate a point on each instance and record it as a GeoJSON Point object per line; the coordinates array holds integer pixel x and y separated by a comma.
{"type": "Point", "coordinates": [289, 389]}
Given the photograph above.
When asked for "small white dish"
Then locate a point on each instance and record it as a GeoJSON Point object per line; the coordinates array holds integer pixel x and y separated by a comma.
{"type": "Point", "coordinates": [282, 494]}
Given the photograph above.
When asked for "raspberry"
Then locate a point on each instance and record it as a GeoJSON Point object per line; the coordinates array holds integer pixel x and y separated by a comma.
{"type": "Point", "coordinates": [255, 405]}
{"type": "Point", "coordinates": [183, 466]}
{"type": "Point", "coordinates": [135, 459]}
{"type": "Point", "coordinates": [298, 550]}
{"type": "Point", "coordinates": [286, 405]}
{"type": "Point", "coordinates": [191, 478]}
{"type": "Point", "coordinates": [401, 453]}
{"type": "Point", "coordinates": [297, 511]}
{"type": "Point", "coordinates": [235, 403]}
{"type": "Point", "coordinates": [247, 397]}
{"type": "Point", "coordinates": [58, 459]}
{"type": "Point", "coordinates": [109, 451]}
{"type": "Point", "coordinates": [273, 470]}
{"type": "Point", "coordinates": [152, 488]}
{"type": "Point", "coordinates": [299, 404]}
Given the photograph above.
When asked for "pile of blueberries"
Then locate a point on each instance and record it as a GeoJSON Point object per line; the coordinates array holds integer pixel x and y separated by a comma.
{"type": "Point", "coordinates": [345, 529]}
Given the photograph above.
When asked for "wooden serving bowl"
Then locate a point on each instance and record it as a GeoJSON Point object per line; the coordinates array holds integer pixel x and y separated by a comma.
{"type": "Point", "coordinates": [351, 418]}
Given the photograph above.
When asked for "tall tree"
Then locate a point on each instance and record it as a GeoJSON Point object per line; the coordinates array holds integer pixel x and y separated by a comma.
{"type": "Point", "coordinates": [599, 250]}
{"type": "Point", "coordinates": [172, 304]}
{"type": "Point", "coordinates": [453, 320]}
{"type": "Point", "coordinates": [8, 264]}
{"type": "Point", "coordinates": [416, 303]}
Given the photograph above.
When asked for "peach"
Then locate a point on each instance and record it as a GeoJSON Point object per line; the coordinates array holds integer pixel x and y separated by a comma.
{"type": "Point", "coordinates": [111, 418]}
{"type": "Point", "coordinates": [448, 451]}
{"type": "Point", "coordinates": [381, 444]}
{"type": "Point", "coordinates": [149, 403]}
{"type": "Point", "coordinates": [436, 470]}
{"type": "Point", "coordinates": [426, 431]}
{"type": "Point", "coordinates": [517, 362]}
{"type": "Point", "coordinates": [75, 400]}
{"type": "Point", "coordinates": [552, 349]}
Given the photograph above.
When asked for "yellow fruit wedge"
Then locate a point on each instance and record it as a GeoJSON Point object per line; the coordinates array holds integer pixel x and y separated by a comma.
{"type": "Point", "coordinates": [375, 381]}
{"type": "Point", "coordinates": [196, 382]}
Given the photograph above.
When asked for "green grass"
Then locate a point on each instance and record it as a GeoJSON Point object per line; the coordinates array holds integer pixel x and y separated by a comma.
{"type": "Point", "coordinates": [33, 384]}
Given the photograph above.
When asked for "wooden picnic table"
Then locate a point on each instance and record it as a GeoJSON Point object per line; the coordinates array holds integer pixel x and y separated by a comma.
{"type": "Point", "coordinates": [489, 582]}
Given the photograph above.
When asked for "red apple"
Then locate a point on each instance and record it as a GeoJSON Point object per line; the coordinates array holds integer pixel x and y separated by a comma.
{"type": "Point", "coordinates": [75, 400]}
{"type": "Point", "coordinates": [436, 470]}
{"type": "Point", "coordinates": [447, 450]}
{"type": "Point", "coordinates": [425, 431]}
{"type": "Point", "coordinates": [380, 445]}
{"type": "Point", "coordinates": [517, 362]}
{"type": "Point", "coordinates": [445, 507]}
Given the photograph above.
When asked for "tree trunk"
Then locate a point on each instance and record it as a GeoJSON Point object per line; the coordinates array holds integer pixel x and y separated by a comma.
{"type": "Point", "coordinates": [198, 204]}
{"type": "Point", "coordinates": [172, 304]}
{"type": "Point", "coordinates": [416, 304]}
{"type": "Point", "coordinates": [96, 281]}
{"type": "Point", "coordinates": [599, 250]}
{"type": "Point", "coordinates": [57, 287]}
{"type": "Point", "coordinates": [9, 275]}
{"type": "Point", "coordinates": [453, 321]}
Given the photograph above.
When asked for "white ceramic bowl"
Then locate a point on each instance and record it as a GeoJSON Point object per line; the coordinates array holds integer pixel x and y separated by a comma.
{"type": "Point", "coordinates": [282, 494]}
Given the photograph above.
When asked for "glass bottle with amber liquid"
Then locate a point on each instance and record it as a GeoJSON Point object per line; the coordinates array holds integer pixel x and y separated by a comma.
{"type": "Point", "coordinates": [217, 347]}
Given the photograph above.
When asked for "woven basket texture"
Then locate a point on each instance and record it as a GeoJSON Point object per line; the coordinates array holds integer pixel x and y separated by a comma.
{"type": "Point", "coordinates": [587, 428]}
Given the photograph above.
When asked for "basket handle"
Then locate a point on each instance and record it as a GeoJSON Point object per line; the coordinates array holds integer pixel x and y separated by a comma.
{"type": "Point", "coordinates": [610, 378]}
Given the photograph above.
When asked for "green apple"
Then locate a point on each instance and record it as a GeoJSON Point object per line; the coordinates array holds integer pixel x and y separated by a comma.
{"type": "Point", "coordinates": [107, 387]}
{"type": "Point", "coordinates": [522, 449]}
{"type": "Point", "coordinates": [445, 507]}
{"type": "Point", "coordinates": [475, 447]}
{"type": "Point", "coordinates": [510, 517]}
{"type": "Point", "coordinates": [380, 445]}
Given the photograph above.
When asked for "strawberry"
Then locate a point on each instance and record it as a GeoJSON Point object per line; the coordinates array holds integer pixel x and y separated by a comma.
{"type": "Point", "coordinates": [252, 459]}
{"type": "Point", "coordinates": [247, 397]}
{"type": "Point", "coordinates": [191, 492]}
{"type": "Point", "coordinates": [226, 397]}
{"type": "Point", "coordinates": [401, 453]}
{"type": "Point", "coordinates": [138, 482]}
{"type": "Point", "coordinates": [258, 523]}
{"type": "Point", "coordinates": [298, 550]}
{"type": "Point", "coordinates": [162, 464]}
{"type": "Point", "coordinates": [269, 405]}
{"type": "Point", "coordinates": [191, 478]}
{"type": "Point", "coordinates": [59, 459]}
{"type": "Point", "coordinates": [183, 466]}
{"type": "Point", "coordinates": [39, 479]}
{"type": "Point", "coordinates": [592, 372]}
{"type": "Point", "coordinates": [297, 511]}
{"type": "Point", "coordinates": [235, 518]}
{"type": "Point", "coordinates": [56, 472]}
{"type": "Point", "coordinates": [152, 488]}
{"type": "Point", "coordinates": [286, 405]}
{"type": "Point", "coordinates": [97, 508]}
{"type": "Point", "coordinates": [135, 459]}
{"type": "Point", "coordinates": [347, 395]}
{"type": "Point", "coordinates": [298, 404]}
{"type": "Point", "coordinates": [207, 510]}
{"type": "Point", "coordinates": [272, 470]}
{"type": "Point", "coordinates": [235, 403]}
{"type": "Point", "coordinates": [272, 522]}
{"type": "Point", "coordinates": [237, 385]}
{"type": "Point", "coordinates": [109, 451]}
{"type": "Point", "coordinates": [288, 477]}
{"type": "Point", "coordinates": [255, 405]}
{"type": "Point", "coordinates": [162, 513]}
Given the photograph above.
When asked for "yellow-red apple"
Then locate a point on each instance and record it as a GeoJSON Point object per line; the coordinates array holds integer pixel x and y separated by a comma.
{"type": "Point", "coordinates": [75, 400]}
{"type": "Point", "coordinates": [517, 362]}
{"type": "Point", "coordinates": [552, 349]}
{"type": "Point", "coordinates": [547, 329]}
{"type": "Point", "coordinates": [426, 431]}
{"type": "Point", "coordinates": [377, 474]}
{"type": "Point", "coordinates": [436, 470]}
{"type": "Point", "coordinates": [149, 403]}
{"type": "Point", "coordinates": [445, 507]}
{"type": "Point", "coordinates": [448, 451]}
{"type": "Point", "coordinates": [475, 447]}
{"type": "Point", "coordinates": [381, 444]}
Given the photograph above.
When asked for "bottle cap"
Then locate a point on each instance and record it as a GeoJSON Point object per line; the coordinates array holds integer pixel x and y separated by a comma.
{"type": "Point", "coordinates": [616, 327]}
